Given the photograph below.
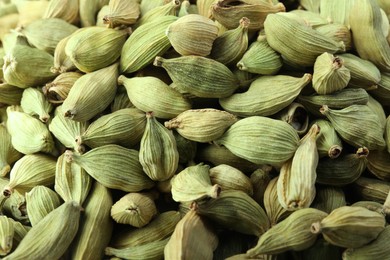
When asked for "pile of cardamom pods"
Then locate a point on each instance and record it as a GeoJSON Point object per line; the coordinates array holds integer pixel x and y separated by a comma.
{"type": "Point", "coordinates": [208, 129]}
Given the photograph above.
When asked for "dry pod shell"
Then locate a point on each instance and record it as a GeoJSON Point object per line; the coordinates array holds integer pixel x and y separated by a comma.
{"type": "Point", "coordinates": [187, 149]}
{"type": "Point", "coordinates": [357, 125]}
{"type": "Point", "coordinates": [249, 138]}
{"type": "Point", "coordinates": [371, 189]}
{"type": "Point", "coordinates": [350, 227]}
{"type": "Point", "coordinates": [121, 100]}
{"type": "Point", "coordinates": [295, 115]}
{"type": "Point", "coordinates": [91, 94]}
{"type": "Point", "coordinates": [382, 92]}
{"type": "Point", "coordinates": [142, 92]}
{"type": "Point", "coordinates": [57, 90]}
{"type": "Point", "coordinates": [158, 153]}
{"type": "Point", "coordinates": [88, 10]}
{"type": "Point", "coordinates": [193, 183]}
{"type": "Point", "coordinates": [378, 110]}
{"type": "Point", "coordinates": [199, 76]}
{"type": "Point", "coordinates": [51, 236]}
{"type": "Point", "coordinates": [259, 180]}
{"type": "Point", "coordinates": [192, 34]}
{"type": "Point", "coordinates": [328, 142]}
{"type": "Point", "coordinates": [202, 125]}
{"type": "Point", "coordinates": [338, 32]}
{"type": "Point", "coordinates": [203, 7]}
{"type": "Point", "coordinates": [122, 13]}
{"type": "Point", "coordinates": [168, 8]}
{"type": "Point", "coordinates": [266, 95]}
{"type": "Point", "coordinates": [8, 154]}
{"type": "Point", "coordinates": [29, 135]}
{"type": "Point", "coordinates": [40, 202]}
{"type": "Point", "coordinates": [293, 233]}
{"type": "Point", "coordinates": [34, 103]}
{"type": "Point", "coordinates": [230, 178]}
{"type": "Point", "coordinates": [329, 198]}
{"type": "Point", "coordinates": [105, 162]}
{"type": "Point", "coordinates": [235, 210]}
{"type": "Point", "coordinates": [7, 232]}
{"type": "Point", "coordinates": [146, 6]}
{"type": "Point", "coordinates": [272, 206]}
{"type": "Point", "coordinates": [378, 163]}
{"type": "Point", "coordinates": [62, 63]}
{"type": "Point", "coordinates": [135, 209]}
{"type": "Point", "coordinates": [10, 95]}
{"type": "Point", "coordinates": [66, 10]}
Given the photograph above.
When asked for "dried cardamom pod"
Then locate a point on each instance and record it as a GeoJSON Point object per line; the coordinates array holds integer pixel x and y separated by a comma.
{"type": "Point", "coordinates": [343, 170]}
{"type": "Point", "coordinates": [320, 250]}
{"type": "Point", "coordinates": [229, 13]}
{"type": "Point", "coordinates": [230, 178]}
{"type": "Point", "coordinates": [266, 95]}
{"type": "Point", "coordinates": [169, 8]}
{"type": "Point", "coordinates": [272, 206]}
{"type": "Point", "coordinates": [378, 163]}
{"type": "Point", "coordinates": [20, 231]}
{"type": "Point", "coordinates": [350, 227]}
{"type": "Point", "coordinates": [260, 58]}
{"type": "Point", "coordinates": [235, 210]}
{"type": "Point", "coordinates": [121, 100]}
{"type": "Point", "coordinates": [66, 10]}
{"type": "Point", "coordinates": [105, 162]}
{"type": "Point", "coordinates": [193, 183]}
{"type": "Point", "coordinates": [193, 238]}
{"type": "Point", "coordinates": [382, 92]}
{"type": "Point", "coordinates": [357, 125]}
{"type": "Point", "coordinates": [28, 134]}
{"type": "Point", "coordinates": [202, 125]}
{"type": "Point", "coordinates": [187, 149]}
{"type": "Point", "coordinates": [329, 198]}
{"type": "Point", "coordinates": [260, 179]}
{"type": "Point", "coordinates": [56, 29]}
{"type": "Point", "coordinates": [7, 233]}
{"type": "Point", "coordinates": [142, 92]}
{"type": "Point", "coordinates": [336, 11]}
{"type": "Point", "coordinates": [91, 94]}
{"type": "Point", "coordinates": [300, 171]}
{"type": "Point", "coordinates": [378, 110]}
{"type": "Point", "coordinates": [364, 74]}
{"type": "Point", "coordinates": [62, 63]}
{"type": "Point", "coordinates": [88, 10]}
{"type": "Point", "coordinates": [296, 116]}
{"type": "Point", "coordinates": [123, 127]}
{"type": "Point", "coordinates": [51, 237]}
{"type": "Point", "coordinates": [199, 76]}
{"type": "Point", "coordinates": [328, 142]}
{"type": "Point", "coordinates": [57, 90]}
{"type": "Point", "coordinates": [337, 32]}
{"type": "Point", "coordinates": [192, 34]}
{"type": "Point", "coordinates": [330, 74]}
{"type": "Point", "coordinates": [142, 46]}
{"type": "Point", "coordinates": [387, 133]}
{"type": "Point", "coordinates": [250, 138]}
{"type": "Point", "coordinates": [122, 13]}
{"type": "Point", "coordinates": [8, 154]}
{"type": "Point", "coordinates": [34, 103]}
{"type": "Point", "coordinates": [100, 17]}
{"type": "Point", "coordinates": [293, 233]}
{"type": "Point", "coordinates": [95, 229]}
{"type": "Point", "coordinates": [29, 171]}
{"type": "Point", "coordinates": [95, 48]}
{"type": "Point", "coordinates": [158, 153]}
{"type": "Point", "coordinates": [160, 228]}
{"type": "Point", "coordinates": [371, 189]}
{"type": "Point", "coordinates": [66, 130]}
{"type": "Point", "coordinates": [71, 181]}
{"type": "Point", "coordinates": [41, 201]}
{"type": "Point", "coordinates": [10, 95]}
{"type": "Point", "coordinates": [313, 19]}
{"type": "Point", "coordinates": [308, 44]}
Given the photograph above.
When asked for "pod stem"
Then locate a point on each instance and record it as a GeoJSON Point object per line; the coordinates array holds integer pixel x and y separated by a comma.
{"type": "Point", "coordinates": [215, 191]}
{"type": "Point", "coordinates": [158, 61]}
{"type": "Point", "coordinates": [316, 228]}
{"type": "Point", "coordinates": [334, 151]}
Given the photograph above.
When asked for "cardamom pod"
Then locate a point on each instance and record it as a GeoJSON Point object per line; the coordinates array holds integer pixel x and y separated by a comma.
{"type": "Point", "coordinates": [62, 62]}
{"type": "Point", "coordinates": [10, 95]}
{"type": "Point", "coordinates": [6, 235]}
{"type": "Point", "coordinates": [371, 189]}
{"type": "Point", "coordinates": [169, 8]}
{"type": "Point", "coordinates": [382, 92]}
{"type": "Point", "coordinates": [259, 180]}
{"type": "Point", "coordinates": [57, 90]}
{"type": "Point", "coordinates": [378, 110]}
{"type": "Point", "coordinates": [8, 154]}
{"type": "Point", "coordinates": [272, 206]}
{"type": "Point", "coordinates": [88, 10]}
{"type": "Point", "coordinates": [337, 32]}
{"type": "Point", "coordinates": [122, 13]}
{"type": "Point", "coordinates": [329, 198]}
{"type": "Point", "coordinates": [378, 163]}
{"type": "Point", "coordinates": [295, 115]}
{"type": "Point", "coordinates": [187, 149]}
{"type": "Point", "coordinates": [230, 178]}
{"type": "Point", "coordinates": [34, 103]}
{"type": "Point", "coordinates": [66, 10]}
{"type": "Point", "coordinates": [328, 142]}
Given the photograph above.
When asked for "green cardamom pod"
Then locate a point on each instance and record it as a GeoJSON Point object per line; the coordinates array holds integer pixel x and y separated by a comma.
{"type": "Point", "coordinates": [122, 13]}
{"type": "Point", "coordinates": [169, 8]}
{"type": "Point", "coordinates": [62, 63]}
{"type": "Point", "coordinates": [337, 32]}
{"type": "Point", "coordinates": [295, 115]}
{"type": "Point", "coordinates": [378, 110]}
{"type": "Point", "coordinates": [230, 178]}
{"type": "Point", "coordinates": [259, 180]}
{"type": "Point", "coordinates": [272, 206]}
{"type": "Point", "coordinates": [10, 95]}
{"type": "Point", "coordinates": [88, 11]}
{"type": "Point", "coordinates": [7, 233]}
{"type": "Point", "coordinates": [66, 10]}
{"type": "Point", "coordinates": [34, 103]}
{"type": "Point", "coordinates": [121, 100]}
{"type": "Point", "coordinates": [57, 90]}
{"type": "Point", "coordinates": [378, 163]}
{"type": "Point", "coordinates": [328, 142]}
{"type": "Point", "coordinates": [382, 92]}
{"type": "Point", "coordinates": [187, 149]}
{"type": "Point", "coordinates": [371, 189]}
{"type": "Point", "coordinates": [8, 154]}
{"type": "Point", "coordinates": [329, 198]}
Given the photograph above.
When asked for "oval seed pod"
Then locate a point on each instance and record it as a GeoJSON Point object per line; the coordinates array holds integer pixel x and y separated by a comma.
{"type": "Point", "coordinates": [135, 209]}
{"type": "Point", "coordinates": [158, 153]}
{"type": "Point", "coordinates": [62, 63]}
{"type": "Point", "coordinates": [199, 76]}
{"type": "Point", "coordinates": [330, 74]}
{"type": "Point", "coordinates": [122, 13]}
{"type": "Point", "coordinates": [387, 133]}
{"type": "Point", "coordinates": [161, 227]}
{"type": "Point", "coordinates": [338, 32]}
{"type": "Point", "coordinates": [235, 210]}
{"type": "Point", "coordinates": [105, 162]}
{"type": "Point", "coordinates": [40, 202]}
{"type": "Point", "coordinates": [203, 7]}
{"type": "Point", "coordinates": [266, 95]}
{"type": "Point", "coordinates": [193, 237]}
{"type": "Point", "coordinates": [123, 127]}
{"type": "Point", "coordinates": [328, 142]}
{"type": "Point", "coordinates": [378, 163]}
{"type": "Point", "coordinates": [343, 170]}
{"type": "Point", "coordinates": [201, 125]}
{"type": "Point", "coordinates": [260, 58]}
{"type": "Point", "coordinates": [71, 181]}
{"type": "Point", "coordinates": [96, 226]}
{"type": "Point", "coordinates": [7, 233]}
{"type": "Point", "coordinates": [378, 110]}
{"type": "Point", "coordinates": [187, 149]}
{"type": "Point", "coordinates": [57, 90]}
{"type": "Point", "coordinates": [229, 14]}
{"type": "Point", "coordinates": [149, 5]}
{"type": "Point", "coordinates": [24, 177]}
{"type": "Point", "coordinates": [152, 250]}
{"type": "Point", "coordinates": [34, 103]}
{"type": "Point", "coordinates": [230, 178]}
{"type": "Point", "coordinates": [142, 92]}
{"type": "Point", "coordinates": [329, 198]}
{"type": "Point", "coordinates": [88, 11]}
{"type": "Point", "coordinates": [272, 206]}
{"type": "Point", "coordinates": [259, 180]}
{"type": "Point", "coordinates": [250, 138]}
{"type": "Point", "coordinates": [350, 227]}
{"type": "Point", "coordinates": [357, 125]}
{"type": "Point", "coordinates": [66, 10]}
{"type": "Point", "coordinates": [296, 116]}
{"type": "Point", "coordinates": [293, 233]}
{"type": "Point", "coordinates": [51, 237]}
{"type": "Point", "coordinates": [382, 92]}
{"type": "Point", "coordinates": [56, 29]}
{"type": "Point", "coordinates": [15, 207]}
{"type": "Point", "coordinates": [8, 154]}
{"type": "Point", "coordinates": [142, 46]}
{"type": "Point", "coordinates": [95, 48]}
{"type": "Point", "coordinates": [168, 8]}
{"type": "Point", "coordinates": [193, 183]}
{"type": "Point", "coordinates": [121, 100]}
{"type": "Point", "coordinates": [91, 94]}
{"type": "Point", "coordinates": [306, 47]}
{"type": "Point", "coordinates": [192, 34]}
{"type": "Point", "coordinates": [29, 135]}
{"type": "Point", "coordinates": [10, 95]}
{"type": "Point", "coordinates": [371, 189]}
{"type": "Point", "coordinates": [20, 231]}
{"type": "Point", "coordinates": [66, 130]}
{"type": "Point", "coordinates": [300, 172]}
{"type": "Point", "coordinates": [100, 16]}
